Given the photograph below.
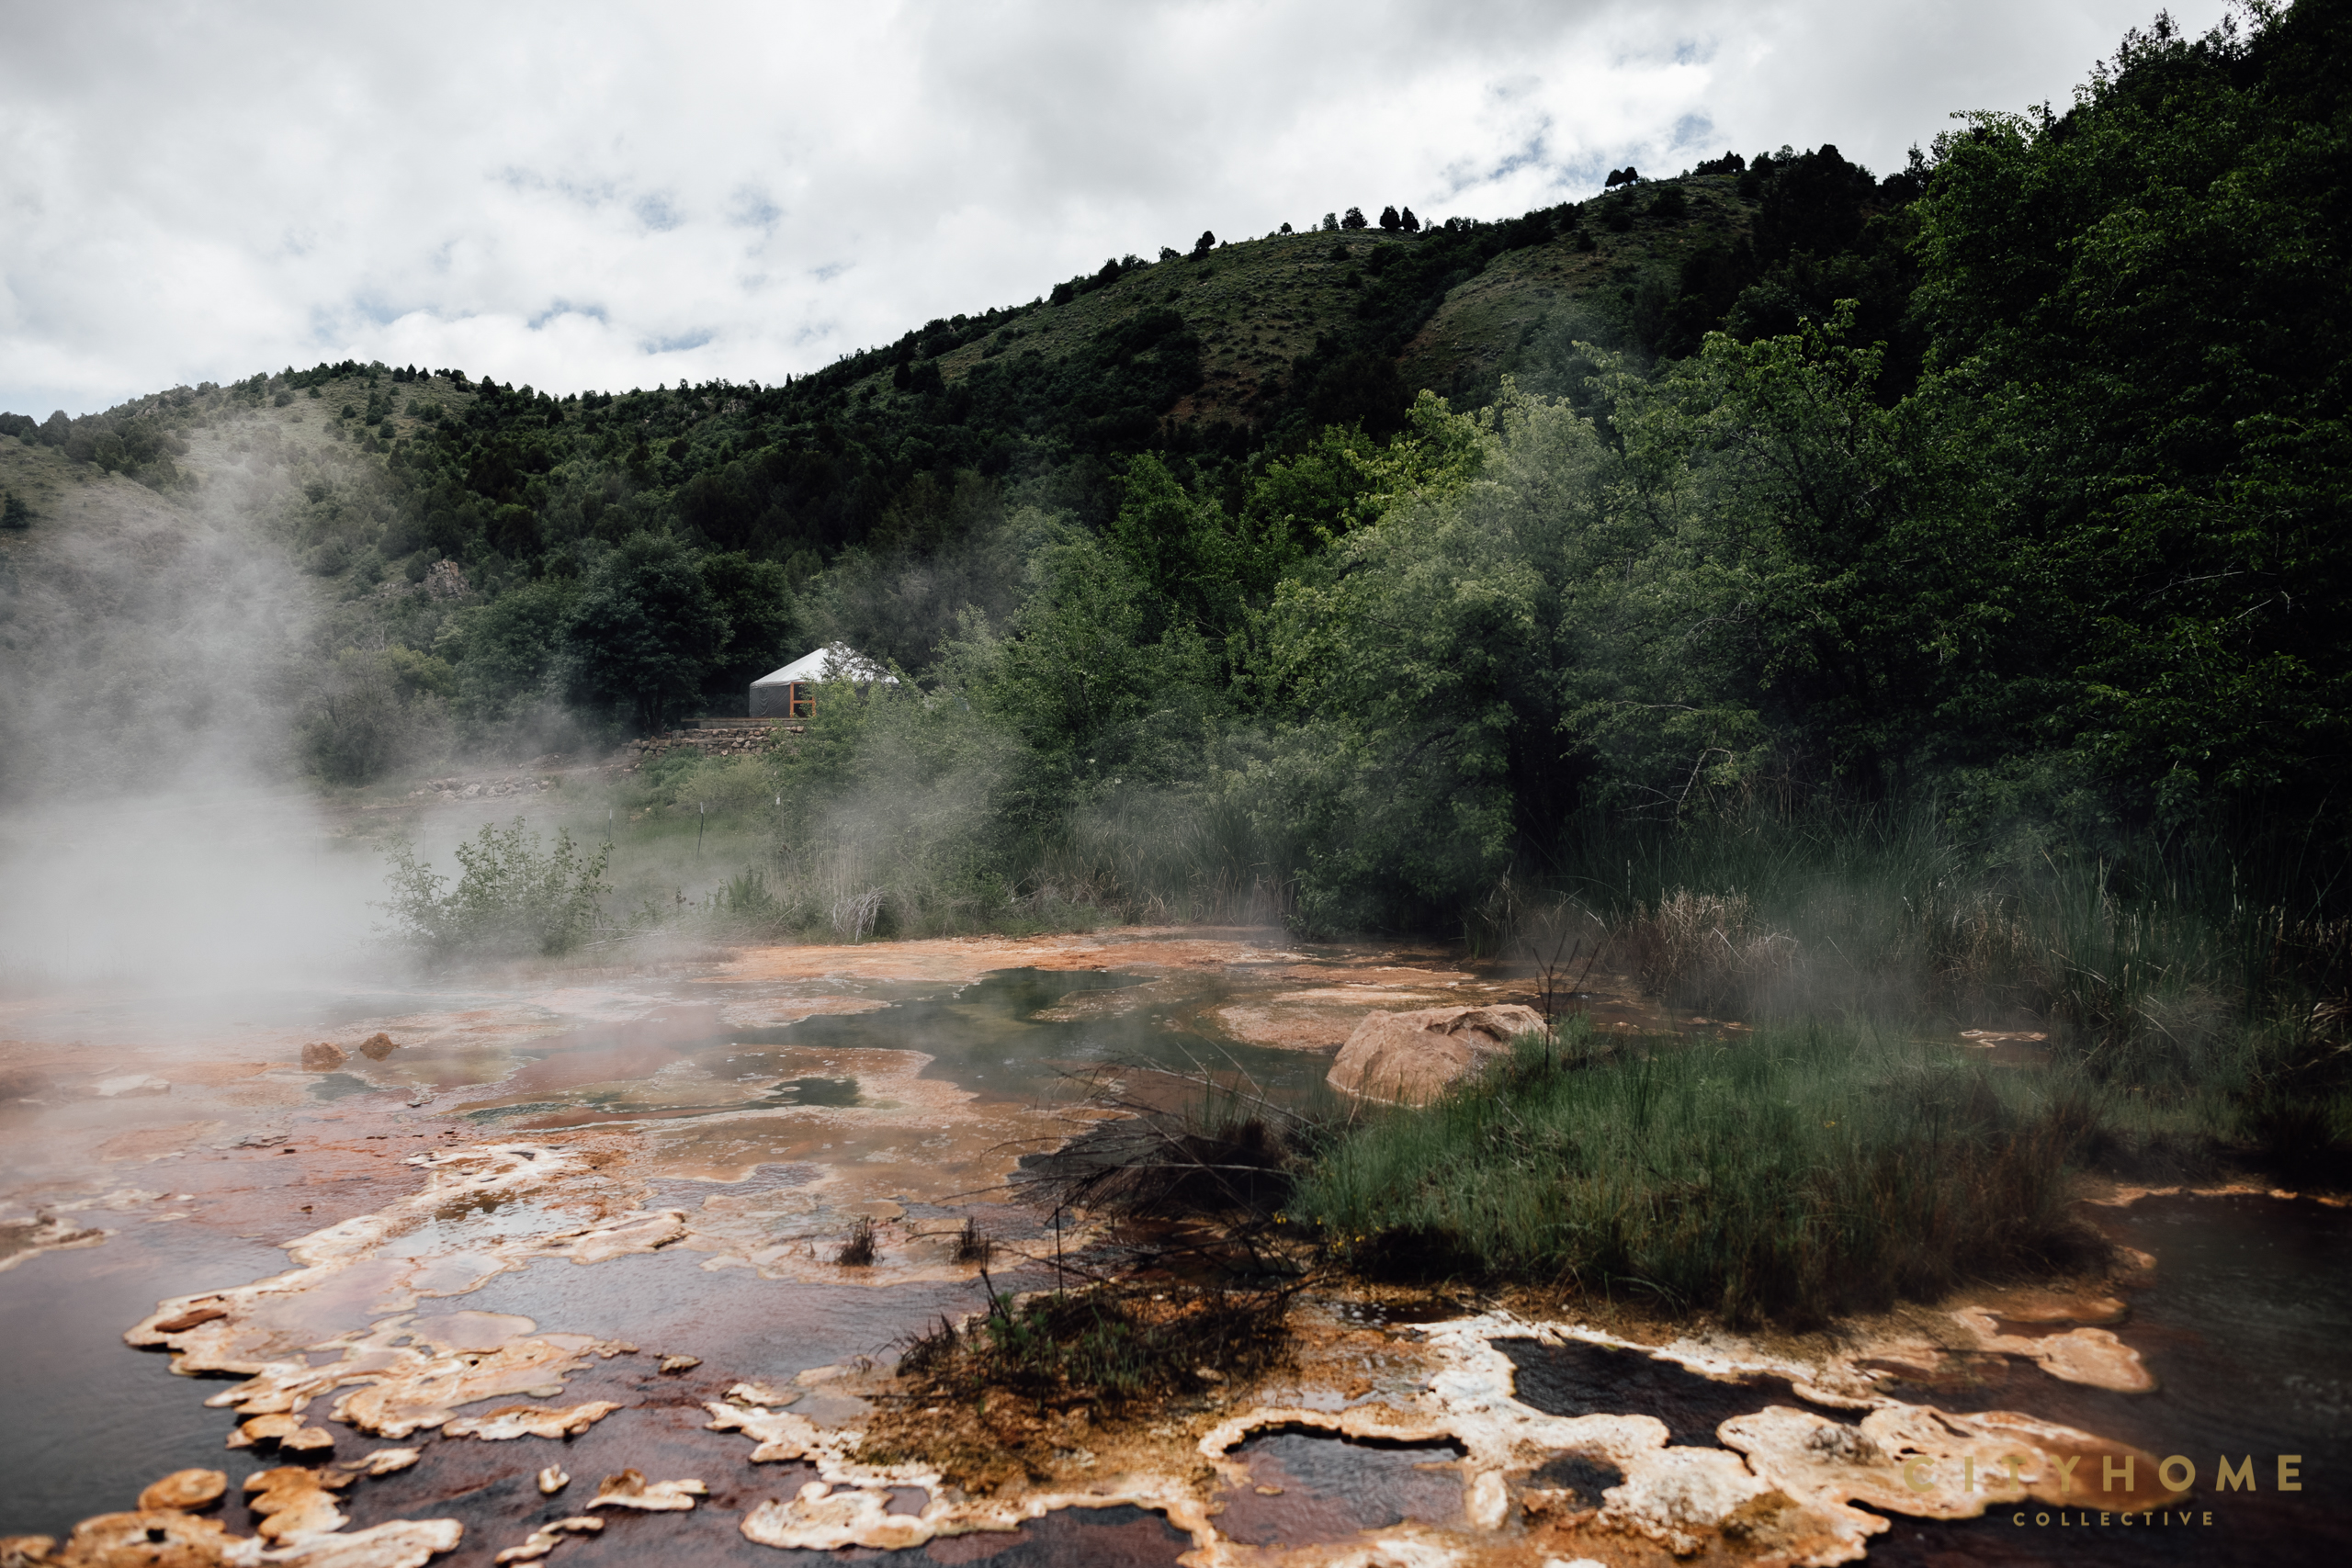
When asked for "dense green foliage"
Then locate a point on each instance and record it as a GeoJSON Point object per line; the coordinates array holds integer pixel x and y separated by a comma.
{"type": "Point", "coordinates": [2008, 488]}
{"type": "Point", "coordinates": [2005, 489]}
{"type": "Point", "coordinates": [1996, 698]}
{"type": "Point", "coordinates": [516, 894]}
{"type": "Point", "coordinates": [2154, 288]}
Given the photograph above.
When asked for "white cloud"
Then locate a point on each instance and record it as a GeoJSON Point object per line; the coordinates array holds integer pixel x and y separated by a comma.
{"type": "Point", "coordinates": [606, 197]}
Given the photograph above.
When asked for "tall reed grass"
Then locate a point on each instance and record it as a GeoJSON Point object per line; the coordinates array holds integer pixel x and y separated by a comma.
{"type": "Point", "coordinates": [1811, 1170]}
{"type": "Point", "coordinates": [2151, 966]}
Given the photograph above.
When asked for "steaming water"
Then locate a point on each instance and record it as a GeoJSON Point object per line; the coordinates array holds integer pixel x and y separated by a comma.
{"type": "Point", "coordinates": [834, 1114]}
{"type": "Point", "coordinates": [94, 1421]}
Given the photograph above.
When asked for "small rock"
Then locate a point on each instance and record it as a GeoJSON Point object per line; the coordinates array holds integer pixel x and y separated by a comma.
{"type": "Point", "coordinates": [377, 1046]}
{"type": "Point", "coordinates": [552, 1479]}
{"type": "Point", "coordinates": [629, 1489]}
{"type": "Point", "coordinates": [22, 1083]}
{"type": "Point", "coordinates": [324, 1056]}
{"type": "Point", "coordinates": [129, 1086]}
{"type": "Point", "coordinates": [680, 1363]}
{"type": "Point", "coordinates": [277, 1426]}
{"type": "Point", "coordinates": [541, 1541]}
{"type": "Point", "coordinates": [185, 1491]}
{"type": "Point", "coordinates": [761, 1393]}
{"type": "Point", "coordinates": [192, 1318]}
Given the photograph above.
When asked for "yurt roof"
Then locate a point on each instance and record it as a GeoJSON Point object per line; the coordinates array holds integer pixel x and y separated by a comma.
{"type": "Point", "coordinates": [834, 661]}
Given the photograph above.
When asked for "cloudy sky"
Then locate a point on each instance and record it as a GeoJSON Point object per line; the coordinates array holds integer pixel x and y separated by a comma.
{"type": "Point", "coordinates": [582, 195]}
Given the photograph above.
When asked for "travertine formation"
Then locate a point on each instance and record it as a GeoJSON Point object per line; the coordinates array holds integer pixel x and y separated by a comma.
{"type": "Point", "coordinates": [395, 1377]}
{"type": "Point", "coordinates": [301, 1525]}
{"type": "Point", "coordinates": [629, 1489]}
{"type": "Point", "coordinates": [544, 1539]}
{"type": "Point", "coordinates": [1783, 1491]}
{"type": "Point", "coordinates": [1806, 1479]}
{"type": "Point", "coordinates": [1410, 1057]}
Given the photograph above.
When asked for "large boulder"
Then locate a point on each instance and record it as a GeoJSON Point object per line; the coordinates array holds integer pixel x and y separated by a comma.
{"type": "Point", "coordinates": [1408, 1057]}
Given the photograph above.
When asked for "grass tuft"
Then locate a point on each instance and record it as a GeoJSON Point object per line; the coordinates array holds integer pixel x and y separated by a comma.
{"type": "Point", "coordinates": [973, 1245]}
{"type": "Point", "coordinates": [1029, 1378]}
{"type": "Point", "coordinates": [858, 1251]}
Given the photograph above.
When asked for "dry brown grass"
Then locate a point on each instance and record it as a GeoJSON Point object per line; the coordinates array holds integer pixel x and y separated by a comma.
{"type": "Point", "coordinates": [1706, 951]}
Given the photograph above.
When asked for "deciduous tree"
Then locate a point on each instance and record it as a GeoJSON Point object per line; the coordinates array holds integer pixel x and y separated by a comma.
{"type": "Point", "coordinates": [648, 629]}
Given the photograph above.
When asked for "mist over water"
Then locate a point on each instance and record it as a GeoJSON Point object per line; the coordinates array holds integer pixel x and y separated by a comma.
{"type": "Point", "coordinates": [192, 890]}
{"type": "Point", "coordinates": [155, 830]}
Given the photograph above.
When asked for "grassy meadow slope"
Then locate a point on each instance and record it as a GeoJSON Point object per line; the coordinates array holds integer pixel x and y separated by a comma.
{"type": "Point", "coordinates": [1262, 305]}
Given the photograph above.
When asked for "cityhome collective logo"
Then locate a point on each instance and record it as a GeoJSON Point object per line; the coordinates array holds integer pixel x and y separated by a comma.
{"type": "Point", "coordinates": [2176, 1479]}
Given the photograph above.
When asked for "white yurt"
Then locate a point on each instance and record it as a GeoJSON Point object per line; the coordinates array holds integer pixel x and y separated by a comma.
{"type": "Point", "coordinates": [791, 691]}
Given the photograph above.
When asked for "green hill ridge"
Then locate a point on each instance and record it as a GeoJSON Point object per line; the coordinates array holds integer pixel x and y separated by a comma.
{"type": "Point", "coordinates": [2013, 476]}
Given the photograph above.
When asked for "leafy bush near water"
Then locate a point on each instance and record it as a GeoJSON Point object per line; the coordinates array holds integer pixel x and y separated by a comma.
{"type": "Point", "coordinates": [514, 895]}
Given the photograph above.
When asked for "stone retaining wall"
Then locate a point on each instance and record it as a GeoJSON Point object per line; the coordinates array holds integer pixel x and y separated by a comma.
{"type": "Point", "coordinates": [711, 737]}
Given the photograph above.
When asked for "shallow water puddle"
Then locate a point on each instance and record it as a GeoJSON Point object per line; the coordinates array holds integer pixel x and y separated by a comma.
{"type": "Point", "coordinates": [1304, 1488]}
{"type": "Point", "coordinates": [1577, 1378]}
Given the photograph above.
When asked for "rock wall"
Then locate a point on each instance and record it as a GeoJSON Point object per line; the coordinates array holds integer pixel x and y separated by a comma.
{"type": "Point", "coordinates": [709, 738]}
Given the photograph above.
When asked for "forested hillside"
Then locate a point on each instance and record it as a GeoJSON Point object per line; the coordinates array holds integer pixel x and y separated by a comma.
{"type": "Point", "coordinates": [1399, 560]}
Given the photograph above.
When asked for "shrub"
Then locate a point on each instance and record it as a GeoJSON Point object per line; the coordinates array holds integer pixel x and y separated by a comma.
{"type": "Point", "coordinates": [1232, 1153]}
{"type": "Point", "coordinates": [514, 896]}
{"type": "Point", "coordinates": [365, 711]}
